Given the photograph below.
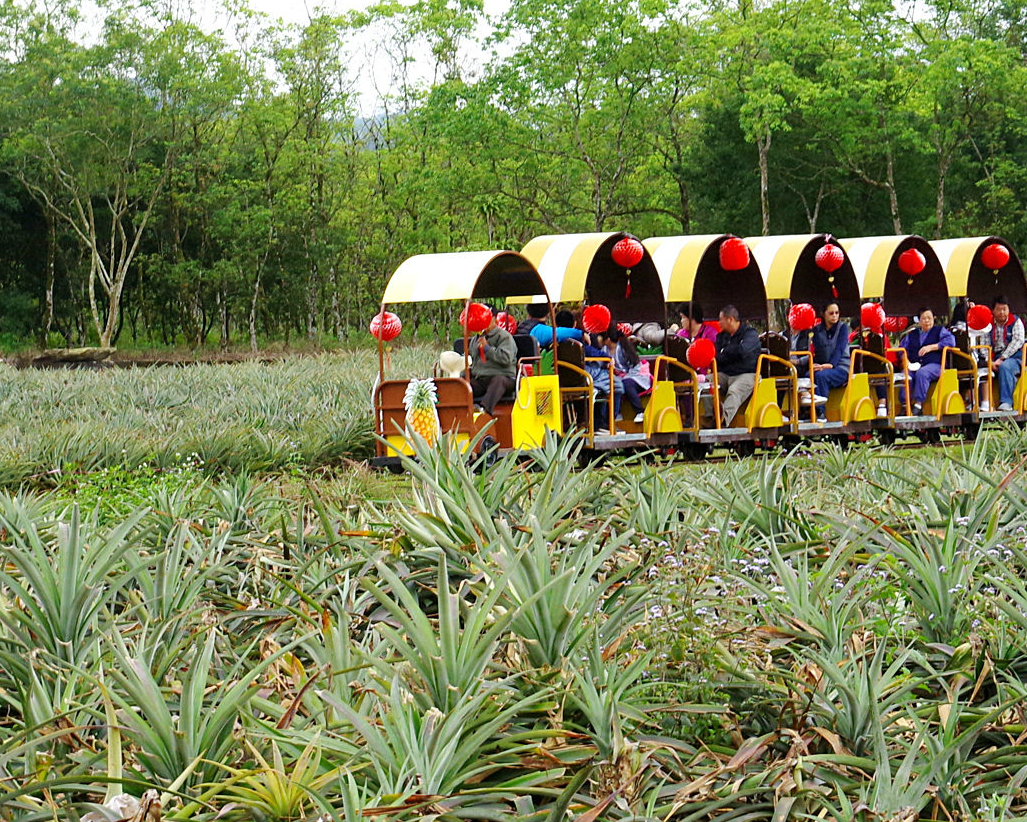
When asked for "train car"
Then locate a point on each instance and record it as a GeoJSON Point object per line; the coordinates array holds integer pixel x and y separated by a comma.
{"type": "Point", "coordinates": [978, 269]}
{"type": "Point", "coordinates": [613, 269]}
{"type": "Point", "coordinates": [521, 419]}
{"type": "Point", "coordinates": [904, 274]}
{"type": "Point", "coordinates": [716, 270]}
{"type": "Point", "coordinates": [814, 269]}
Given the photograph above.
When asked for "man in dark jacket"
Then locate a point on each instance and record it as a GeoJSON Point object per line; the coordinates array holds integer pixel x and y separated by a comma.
{"type": "Point", "coordinates": [738, 349]}
{"type": "Point", "coordinates": [493, 366]}
{"type": "Point", "coordinates": [537, 314]}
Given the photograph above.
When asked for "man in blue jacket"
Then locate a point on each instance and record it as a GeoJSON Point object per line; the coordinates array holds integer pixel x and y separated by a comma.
{"type": "Point", "coordinates": [738, 350]}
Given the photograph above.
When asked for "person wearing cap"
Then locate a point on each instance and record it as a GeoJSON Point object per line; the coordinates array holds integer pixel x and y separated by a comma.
{"type": "Point", "coordinates": [1007, 338]}
{"type": "Point", "coordinates": [493, 366]}
{"type": "Point", "coordinates": [537, 313]}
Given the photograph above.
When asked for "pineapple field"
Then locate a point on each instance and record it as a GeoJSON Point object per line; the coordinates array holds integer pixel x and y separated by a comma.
{"type": "Point", "coordinates": [211, 609]}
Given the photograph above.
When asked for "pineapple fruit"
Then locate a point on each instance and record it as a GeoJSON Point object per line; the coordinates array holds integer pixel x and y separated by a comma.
{"type": "Point", "coordinates": [422, 416]}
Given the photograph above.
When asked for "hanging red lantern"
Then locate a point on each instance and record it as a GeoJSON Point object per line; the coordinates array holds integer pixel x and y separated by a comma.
{"type": "Point", "coordinates": [701, 354]}
{"type": "Point", "coordinates": [505, 320]}
{"type": "Point", "coordinates": [625, 329]}
{"type": "Point", "coordinates": [911, 262]}
{"type": "Point", "coordinates": [893, 325]}
{"type": "Point", "coordinates": [734, 254]}
{"type": "Point", "coordinates": [385, 326]}
{"type": "Point", "coordinates": [829, 258]}
{"type": "Point", "coordinates": [627, 252]}
{"type": "Point", "coordinates": [476, 318]}
{"type": "Point", "coordinates": [995, 256]}
{"type": "Point", "coordinates": [596, 319]}
{"type": "Point", "coordinates": [979, 317]}
{"type": "Point", "coordinates": [872, 317]}
{"type": "Point", "coordinates": [802, 317]}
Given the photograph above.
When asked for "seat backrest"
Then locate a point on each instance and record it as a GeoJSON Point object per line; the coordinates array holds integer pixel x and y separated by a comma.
{"type": "Point", "coordinates": [776, 345]}
{"type": "Point", "coordinates": [527, 346]}
{"type": "Point", "coordinates": [874, 343]}
{"type": "Point", "coordinates": [962, 339]}
{"type": "Point", "coordinates": [676, 347]}
{"type": "Point", "coordinates": [572, 352]}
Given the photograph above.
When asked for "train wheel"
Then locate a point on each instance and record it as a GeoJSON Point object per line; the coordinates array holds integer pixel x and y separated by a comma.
{"type": "Point", "coordinates": [886, 436]}
{"type": "Point", "coordinates": [589, 457]}
{"type": "Point", "coordinates": [930, 436]}
{"type": "Point", "coordinates": [395, 468]}
{"type": "Point", "coordinates": [744, 448]}
{"type": "Point", "coordinates": [488, 453]}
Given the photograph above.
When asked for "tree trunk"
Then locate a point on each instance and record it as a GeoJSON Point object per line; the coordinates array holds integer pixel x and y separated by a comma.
{"type": "Point", "coordinates": [51, 266]}
{"type": "Point", "coordinates": [939, 206]}
{"type": "Point", "coordinates": [893, 197]}
{"type": "Point", "coordinates": [763, 147]}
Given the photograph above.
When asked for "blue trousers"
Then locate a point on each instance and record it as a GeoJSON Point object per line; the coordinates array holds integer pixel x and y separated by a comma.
{"type": "Point", "coordinates": [829, 378]}
{"type": "Point", "coordinates": [922, 380]}
{"type": "Point", "coordinates": [1008, 374]}
{"type": "Point", "coordinates": [631, 391]}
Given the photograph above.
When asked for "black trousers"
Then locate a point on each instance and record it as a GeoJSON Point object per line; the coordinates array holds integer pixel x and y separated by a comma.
{"type": "Point", "coordinates": [489, 390]}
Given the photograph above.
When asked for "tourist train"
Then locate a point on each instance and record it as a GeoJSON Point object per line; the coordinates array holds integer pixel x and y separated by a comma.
{"type": "Point", "coordinates": [617, 280]}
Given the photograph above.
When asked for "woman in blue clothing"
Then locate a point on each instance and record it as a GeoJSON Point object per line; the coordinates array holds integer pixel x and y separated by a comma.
{"type": "Point", "coordinates": [830, 352]}
{"type": "Point", "coordinates": [924, 346]}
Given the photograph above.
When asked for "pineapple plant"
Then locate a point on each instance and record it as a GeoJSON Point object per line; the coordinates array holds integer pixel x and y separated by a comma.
{"type": "Point", "coordinates": [422, 416]}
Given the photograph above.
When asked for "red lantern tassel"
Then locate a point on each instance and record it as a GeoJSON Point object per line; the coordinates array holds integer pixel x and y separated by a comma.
{"type": "Point", "coordinates": [627, 287]}
{"type": "Point", "coordinates": [834, 292]}
{"type": "Point", "coordinates": [481, 349]}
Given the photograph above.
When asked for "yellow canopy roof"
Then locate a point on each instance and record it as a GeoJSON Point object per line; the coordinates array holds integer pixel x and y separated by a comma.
{"type": "Point", "coordinates": [460, 275]}
{"type": "Point", "coordinates": [778, 257]}
{"type": "Point", "coordinates": [870, 258]}
{"type": "Point", "coordinates": [677, 262]}
{"type": "Point", "coordinates": [563, 262]}
{"type": "Point", "coordinates": [956, 256]}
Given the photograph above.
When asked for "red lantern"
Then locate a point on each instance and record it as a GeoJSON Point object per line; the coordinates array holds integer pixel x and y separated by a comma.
{"type": "Point", "coordinates": [625, 329]}
{"type": "Point", "coordinates": [802, 317]}
{"type": "Point", "coordinates": [893, 325]}
{"type": "Point", "coordinates": [979, 317]}
{"type": "Point", "coordinates": [911, 262]}
{"type": "Point", "coordinates": [476, 318]}
{"type": "Point", "coordinates": [627, 252]}
{"type": "Point", "coordinates": [596, 319]}
{"type": "Point", "coordinates": [385, 326]}
{"type": "Point", "coordinates": [872, 317]}
{"type": "Point", "coordinates": [995, 256]}
{"type": "Point", "coordinates": [701, 353]}
{"type": "Point", "coordinates": [829, 258]}
{"type": "Point", "coordinates": [506, 321]}
{"type": "Point", "coordinates": [734, 254]}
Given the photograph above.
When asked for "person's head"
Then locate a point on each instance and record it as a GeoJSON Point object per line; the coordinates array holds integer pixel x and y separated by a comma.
{"type": "Point", "coordinates": [538, 311]}
{"type": "Point", "coordinates": [1000, 310]}
{"type": "Point", "coordinates": [691, 316]}
{"type": "Point", "coordinates": [926, 319]}
{"type": "Point", "coordinates": [959, 313]}
{"type": "Point", "coordinates": [730, 320]}
{"type": "Point", "coordinates": [565, 319]}
{"type": "Point", "coordinates": [831, 313]}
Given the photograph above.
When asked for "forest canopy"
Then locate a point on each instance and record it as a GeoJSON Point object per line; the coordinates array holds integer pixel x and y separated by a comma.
{"type": "Point", "coordinates": [170, 181]}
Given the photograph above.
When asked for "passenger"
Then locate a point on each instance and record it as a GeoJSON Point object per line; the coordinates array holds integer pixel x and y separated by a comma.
{"type": "Point", "coordinates": [632, 370]}
{"type": "Point", "coordinates": [1007, 338]}
{"type": "Point", "coordinates": [597, 364]}
{"type": "Point", "coordinates": [923, 349]}
{"type": "Point", "coordinates": [830, 353]}
{"type": "Point", "coordinates": [692, 325]}
{"type": "Point", "coordinates": [565, 330]}
{"type": "Point", "coordinates": [537, 313]}
{"type": "Point", "coordinates": [650, 334]}
{"type": "Point", "coordinates": [738, 351]}
{"type": "Point", "coordinates": [493, 365]}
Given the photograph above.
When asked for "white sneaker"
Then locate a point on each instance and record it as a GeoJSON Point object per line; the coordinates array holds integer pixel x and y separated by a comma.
{"type": "Point", "coordinates": [640, 416]}
{"type": "Point", "coordinates": [1005, 407]}
{"type": "Point", "coordinates": [882, 410]}
{"type": "Point", "coordinates": [818, 400]}
{"type": "Point", "coordinates": [805, 398]}
{"type": "Point", "coordinates": [985, 405]}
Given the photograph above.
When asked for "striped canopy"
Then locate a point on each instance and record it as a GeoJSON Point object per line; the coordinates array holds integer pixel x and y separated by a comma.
{"type": "Point", "coordinates": [968, 277]}
{"type": "Point", "coordinates": [689, 268]}
{"type": "Point", "coordinates": [876, 263]}
{"type": "Point", "coordinates": [580, 268]}
{"type": "Point", "coordinates": [790, 271]}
